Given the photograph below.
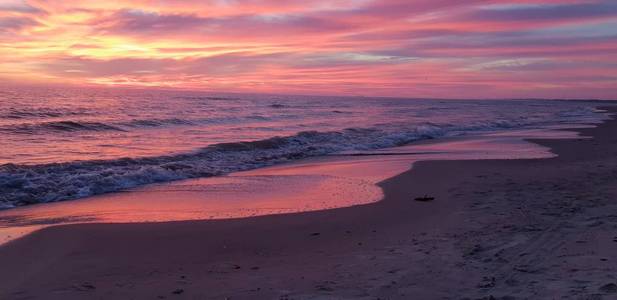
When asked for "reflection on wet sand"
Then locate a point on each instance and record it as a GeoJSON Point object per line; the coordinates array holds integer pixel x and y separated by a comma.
{"type": "Point", "coordinates": [308, 185]}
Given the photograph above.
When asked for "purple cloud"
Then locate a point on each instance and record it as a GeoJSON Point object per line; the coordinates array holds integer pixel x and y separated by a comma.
{"type": "Point", "coordinates": [19, 6]}
{"type": "Point", "coordinates": [548, 12]}
{"type": "Point", "coordinates": [141, 22]}
{"type": "Point", "coordinates": [12, 24]}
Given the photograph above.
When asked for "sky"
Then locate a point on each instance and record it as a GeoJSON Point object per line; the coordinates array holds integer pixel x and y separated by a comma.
{"type": "Point", "coordinates": [401, 48]}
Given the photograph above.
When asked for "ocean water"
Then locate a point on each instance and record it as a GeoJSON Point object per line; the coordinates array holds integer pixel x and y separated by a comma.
{"type": "Point", "coordinates": [60, 144]}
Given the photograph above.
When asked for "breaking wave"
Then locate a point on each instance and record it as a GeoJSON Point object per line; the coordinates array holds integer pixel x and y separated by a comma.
{"type": "Point", "coordinates": [27, 184]}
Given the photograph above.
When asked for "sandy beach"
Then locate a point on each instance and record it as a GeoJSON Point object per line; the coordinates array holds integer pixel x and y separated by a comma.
{"type": "Point", "coordinates": [507, 229]}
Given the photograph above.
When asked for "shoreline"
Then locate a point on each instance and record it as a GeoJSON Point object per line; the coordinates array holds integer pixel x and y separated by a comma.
{"type": "Point", "coordinates": [311, 184]}
{"type": "Point", "coordinates": [30, 175]}
{"type": "Point", "coordinates": [427, 250]}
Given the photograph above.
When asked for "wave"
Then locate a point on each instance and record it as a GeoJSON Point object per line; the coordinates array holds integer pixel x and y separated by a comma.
{"type": "Point", "coordinates": [215, 98]}
{"type": "Point", "coordinates": [40, 113]}
{"type": "Point", "coordinates": [26, 184]}
{"type": "Point", "coordinates": [156, 122]}
{"type": "Point", "coordinates": [59, 126]}
{"type": "Point", "coordinates": [74, 126]}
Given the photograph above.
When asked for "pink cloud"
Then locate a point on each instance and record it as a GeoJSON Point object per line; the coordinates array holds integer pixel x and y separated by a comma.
{"type": "Point", "coordinates": [435, 48]}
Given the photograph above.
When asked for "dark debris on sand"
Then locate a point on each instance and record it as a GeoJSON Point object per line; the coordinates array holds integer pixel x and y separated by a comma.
{"type": "Point", "coordinates": [425, 198]}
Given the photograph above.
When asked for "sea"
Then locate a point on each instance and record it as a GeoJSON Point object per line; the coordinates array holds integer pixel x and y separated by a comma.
{"type": "Point", "coordinates": [69, 143]}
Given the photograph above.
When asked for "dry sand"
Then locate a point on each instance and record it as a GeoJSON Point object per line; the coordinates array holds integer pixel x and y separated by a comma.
{"type": "Point", "coordinates": [508, 229]}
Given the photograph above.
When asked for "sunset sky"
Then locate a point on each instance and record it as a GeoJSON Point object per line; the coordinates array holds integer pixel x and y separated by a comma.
{"type": "Point", "coordinates": [412, 48]}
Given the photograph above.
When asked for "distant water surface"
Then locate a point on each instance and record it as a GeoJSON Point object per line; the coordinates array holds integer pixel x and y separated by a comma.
{"type": "Point", "coordinates": [60, 144]}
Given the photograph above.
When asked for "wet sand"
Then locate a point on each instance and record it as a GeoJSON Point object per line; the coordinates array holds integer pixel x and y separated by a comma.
{"type": "Point", "coordinates": [320, 183]}
{"type": "Point", "coordinates": [534, 228]}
